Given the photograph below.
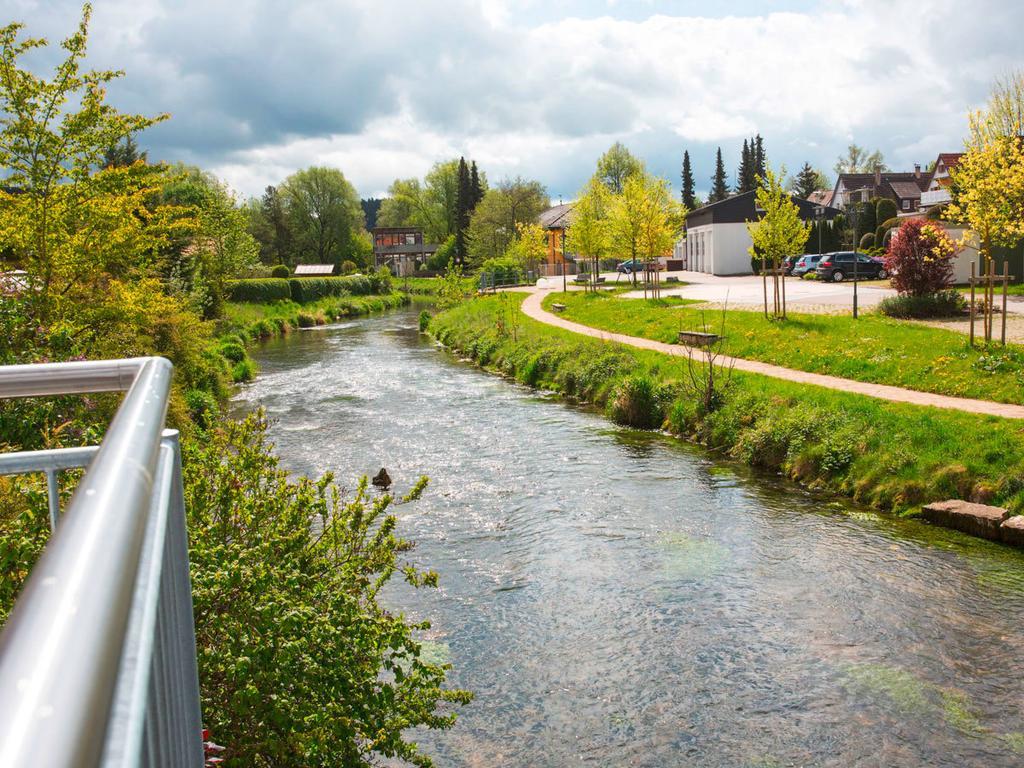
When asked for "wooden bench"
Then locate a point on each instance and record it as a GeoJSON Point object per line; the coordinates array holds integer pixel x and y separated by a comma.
{"type": "Point", "coordinates": [558, 307]}
{"type": "Point", "coordinates": [671, 279]}
{"type": "Point", "coordinates": [698, 338]}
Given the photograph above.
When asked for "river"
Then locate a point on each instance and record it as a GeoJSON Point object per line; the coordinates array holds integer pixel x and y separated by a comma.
{"type": "Point", "coordinates": [619, 598]}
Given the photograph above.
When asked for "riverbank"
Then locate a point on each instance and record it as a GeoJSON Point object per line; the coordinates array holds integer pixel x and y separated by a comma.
{"type": "Point", "coordinates": [892, 456]}
{"type": "Point", "coordinates": [873, 348]}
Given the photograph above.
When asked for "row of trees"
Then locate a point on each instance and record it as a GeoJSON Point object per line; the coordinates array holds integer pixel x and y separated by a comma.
{"type": "Point", "coordinates": [624, 211]}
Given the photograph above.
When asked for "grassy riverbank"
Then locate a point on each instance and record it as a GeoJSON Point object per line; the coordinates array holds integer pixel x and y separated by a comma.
{"type": "Point", "coordinates": [889, 455]}
{"type": "Point", "coordinates": [873, 348]}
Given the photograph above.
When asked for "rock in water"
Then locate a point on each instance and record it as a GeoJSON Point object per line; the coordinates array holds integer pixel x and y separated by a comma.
{"type": "Point", "coordinates": [382, 479]}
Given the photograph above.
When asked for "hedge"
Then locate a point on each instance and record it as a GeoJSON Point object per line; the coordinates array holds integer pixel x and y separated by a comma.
{"type": "Point", "coordinates": [307, 289]}
{"type": "Point", "coordinates": [259, 291]}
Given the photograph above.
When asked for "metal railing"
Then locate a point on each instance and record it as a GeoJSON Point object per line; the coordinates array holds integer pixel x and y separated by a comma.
{"type": "Point", "coordinates": [98, 656]}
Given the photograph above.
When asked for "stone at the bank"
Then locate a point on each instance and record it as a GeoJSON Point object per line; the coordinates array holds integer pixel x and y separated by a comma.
{"type": "Point", "coordinates": [976, 519]}
{"type": "Point", "coordinates": [1012, 531]}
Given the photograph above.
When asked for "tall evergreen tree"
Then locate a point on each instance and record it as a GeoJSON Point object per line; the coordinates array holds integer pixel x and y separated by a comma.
{"type": "Point", "coordinates": [463, 210]}
{"type": "Point", "coordinates": [719, 184]}
{"type": "Point", "coordinates": [123, 153]}
{"type": "Point", "coordinates": [745, 173]}
{"type": "Point", "coordinates": [759, 161]}
{"type": "Point", "coordinates": [688, 190]}
{"type": "Point", "coordinates": [806, 182]}
{"type": "Point", "coordinates": [476, 186]}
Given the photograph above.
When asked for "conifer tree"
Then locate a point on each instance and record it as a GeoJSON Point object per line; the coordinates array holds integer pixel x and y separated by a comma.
{"type": "Point", "coordinates": [688, 191]}
{"type": "Point", "coordinates": [806, 182]}
{"type": "Point", "coordinates": [719, 185]}
{"type": "Point", "coordinates": [476, 186]}
{"type": "Point", "coordinates": [463, 209]}
{"type": "Point", "coordinates": [757, 153]}
{"type": "Point", "coordinates": [745, 173]}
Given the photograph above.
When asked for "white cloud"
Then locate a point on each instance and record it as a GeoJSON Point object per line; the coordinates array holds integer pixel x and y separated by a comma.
{"type": "Point", "coordinates": [384, 89]}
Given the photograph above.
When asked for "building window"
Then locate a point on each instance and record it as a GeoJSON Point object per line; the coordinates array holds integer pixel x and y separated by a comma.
{"type": "Point", "coordinates": [906, 205]}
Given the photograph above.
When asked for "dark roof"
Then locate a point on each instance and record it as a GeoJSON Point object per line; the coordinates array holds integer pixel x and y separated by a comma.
{"type": "Point", "coordinates": [905, 190]}
{"type": "Point", "coordinates": [557, 216]}
{"type": "Point", "coordinates": [387, 230]}
{"type": "Point", "coordinates": [741, 208]}
{"type": "Point", "coordinates": [867, 180]}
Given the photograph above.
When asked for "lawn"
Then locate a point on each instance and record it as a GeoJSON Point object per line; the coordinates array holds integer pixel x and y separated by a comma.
{"type": "Point", "coordinates": [891, 455]}
{"type": "Point", "coordinates": [873, 348]}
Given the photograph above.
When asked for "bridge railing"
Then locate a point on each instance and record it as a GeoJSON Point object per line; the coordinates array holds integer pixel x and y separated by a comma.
{"type": "Point", "coordinates": [98, 656]}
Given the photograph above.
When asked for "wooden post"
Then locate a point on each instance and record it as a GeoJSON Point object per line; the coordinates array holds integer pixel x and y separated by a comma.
{"type": "Point", "coordinates": [783, 278]}
{"type": "Point", "coordinates": [973, 267]}
{"type": "Point", "coordinates": [1006, 280]}
{"type": "Point", "coordinates": [764, 280]}
{"type": "Point", "coordinates": [991, 298]}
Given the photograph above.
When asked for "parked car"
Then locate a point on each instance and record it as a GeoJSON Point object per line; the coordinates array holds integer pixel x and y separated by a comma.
{"type": "Point", "coordinates": [788, 263]}
{"type": "Point", "coordinates": [838, 266]}
{"type": "Point", "coordinates": [806, 263]}
{"type": "Point", "coordinates": [631, 266]}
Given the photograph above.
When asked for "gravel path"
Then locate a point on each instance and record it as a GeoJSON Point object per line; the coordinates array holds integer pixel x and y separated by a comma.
{"type": "Point", "coordinates": [533, 309]}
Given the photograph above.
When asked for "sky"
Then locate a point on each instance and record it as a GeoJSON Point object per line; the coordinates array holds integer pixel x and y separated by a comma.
{"type": "Point", "coordinates": [382, 89]}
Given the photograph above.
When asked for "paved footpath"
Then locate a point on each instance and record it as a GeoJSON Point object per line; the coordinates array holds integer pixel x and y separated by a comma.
{"type": "Point", "coordinates": [533, 309]}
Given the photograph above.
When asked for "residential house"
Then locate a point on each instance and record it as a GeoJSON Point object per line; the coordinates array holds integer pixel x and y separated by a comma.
{"type": "Point", "coordinates": [821, 197]}
{"type": "Point", "coordinates": [401, 249]}
{"type": "Point", "coordinates": [556, 221]}
{"type": "Point", "coordinates": [940, 181]}
{"type": "Point", "coordinates": [717, 240]}
{"type": "Point", "coordinates": [905, 188]}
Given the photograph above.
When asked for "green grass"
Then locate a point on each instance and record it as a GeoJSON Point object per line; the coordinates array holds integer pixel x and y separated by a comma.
{"type": "Point", "coordinates": [873, 348]}
{"type": "Point", "coordinates": [248, 319]}
{"type": "Point", "coordinates": [893, 456]}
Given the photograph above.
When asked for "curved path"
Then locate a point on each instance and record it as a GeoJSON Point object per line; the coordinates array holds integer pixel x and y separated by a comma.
{"type": "Point", "coordinates": [532, 308]}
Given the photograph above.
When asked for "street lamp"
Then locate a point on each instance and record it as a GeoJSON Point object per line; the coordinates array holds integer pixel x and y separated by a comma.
{"type": "Point", "coordinates": [853, 215]}
{"type": "Point", "coordinates": [819, 216]}
{"type": "Point", "coordinates": [564, 289]}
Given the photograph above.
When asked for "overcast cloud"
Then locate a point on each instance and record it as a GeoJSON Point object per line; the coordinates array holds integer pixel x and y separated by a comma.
{"type": "Point", "coordinates": [384, 88]}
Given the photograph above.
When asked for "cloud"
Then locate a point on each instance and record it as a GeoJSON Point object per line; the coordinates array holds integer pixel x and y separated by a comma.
{"type": "Point", "coordinates": [259, 88]}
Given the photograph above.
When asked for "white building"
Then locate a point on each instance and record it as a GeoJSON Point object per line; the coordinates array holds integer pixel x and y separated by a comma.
{"type": "Point", "coordinates": [717, 240]}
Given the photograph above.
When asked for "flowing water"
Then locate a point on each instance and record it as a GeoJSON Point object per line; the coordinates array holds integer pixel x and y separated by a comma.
{"type": "Point", "coordinates": [618, 598]}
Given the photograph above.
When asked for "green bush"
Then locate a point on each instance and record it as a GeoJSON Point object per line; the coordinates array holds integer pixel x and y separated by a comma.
{"type": "Point", "coordinates": [438, 262]}
{"type": "Point", "coordinates": [941, 304]}
{"type": "Point", "coordinates": [233, 351]}
{"type": "Point", "coordinates": [306, 320]}
{"type": "Point", "coordinates": [307, 289]}
{"type": "Point", "coordinates": [636, 403]}
{"type": "Point", "coordinates": [280, 270]}
{"type": "Point", "coordinates": [867, 242]}
{"type": "Point", "coordinates": [262, 329]}
{"type": "Point", "coordinates": [380, 281]}
{"type": "Point", "coordinates": [259, 291]}
{"type": "Point", "coordinates": [202, 407]}
{"type": "Point", "coordinates": [424, 320]}
{"type": "Point", "coordinates": [885, 209]}
{"type": "Point", "coordinates": [243, 370]}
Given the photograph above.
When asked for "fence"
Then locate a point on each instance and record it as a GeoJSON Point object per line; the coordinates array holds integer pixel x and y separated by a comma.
{"type": "Point", "coordinates": [506, 278]}
{"type": "Point", "coordinates": [98, 657]}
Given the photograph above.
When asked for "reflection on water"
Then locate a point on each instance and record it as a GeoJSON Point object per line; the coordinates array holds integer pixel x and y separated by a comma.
{"type": "Point", "coordinates": [616, 598]}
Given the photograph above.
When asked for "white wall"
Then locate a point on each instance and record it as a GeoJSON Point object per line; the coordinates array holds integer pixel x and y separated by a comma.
{"type": "Point", "coordinates": [731, 255]}
{"type": "Point", "coordinates": [962, 261]}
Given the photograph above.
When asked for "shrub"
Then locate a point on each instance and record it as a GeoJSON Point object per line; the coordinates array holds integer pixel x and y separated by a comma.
{"type": "Point", "coordinates": [260, 291]}
{"type": "Point", "coordinates": [424, 320]}
{"type": "Point", "coordinates": [262, 329]}
{"type": "Point", "coordinates": [885, 209]}
{"type": "Point", "coordinates": [306, 320]}
{"type": "Point", "coordinates": [348, 267]}
{"type": "Point", "coordinates": [305, 290]}
{"type": "Point", "coordinates": [636, 403]}
{"type": "Point", "coordinates": [867, 242]}
{"type": "Point", "coordinates": [438, 262]}
{"type": "Point", "coordinates": [906, 305]}
{"type": "Point", "coordinates": [880, 236]}
{"type": "Point", "coordinates": [243, 370]}
{"type": "Point", "coordinates": [280, 270]}
{"type": "Point", "coordinates": [380, 281]}
{"type": "Point", "coordinates": [233, 351]}
{"type": "Point", "coordinates": [202, 407]}
{"type": "Point", "coordinates": [504, 271]}
{"type": "Point", "coordinates": [920, 258]}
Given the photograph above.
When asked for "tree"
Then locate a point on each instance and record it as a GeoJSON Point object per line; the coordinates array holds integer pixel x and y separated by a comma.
{"type": "Point", "coordinates": [590, 233]}
{"type": "Point", "coordinates": [806, 182]}
{"type": "Point", "coordinates": [616, 165]}
{"type": "Point", "coordinates": [779, 233]}
{"type": "Point", "coordinates": [463, 211]}
{"type": "Point", "coordinates": [746, 174]}
{"type": "Point", "coordinates": [719, 183]}
{"type": "Point", "coordinates": [400, 208]}
{"type": "Point", "coordinates": [989, 179]}
{"type": "Point", "coordinates": [63, 220]}
{"type": "Point", "coordinates": [920, 258]}
{"type": "Point", "coordinates": [432, 205]}
{"type": "Point", "coordinates": [371, 206]}
{"type": "Point", "coordinates": [530, 245]}
{"type": "Point", "coordinates": [323, 214]}
{"type": "Point", "coordinates": [760, 161]}
{"type": "Point", "coordinates": [859, 160]}
{"type": "Point", "coordinates": [494, 222]}
{"type": "Point", "coordinates": [269, 226]}
{"type": "Point", "coordinates": [477, 183]}
{"type": "Point", "coordinates": [688, 194]}
{"type": "Point", "coordinates": [123, 153]}
{"type": "Point", "coordinates": [644, 219]}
